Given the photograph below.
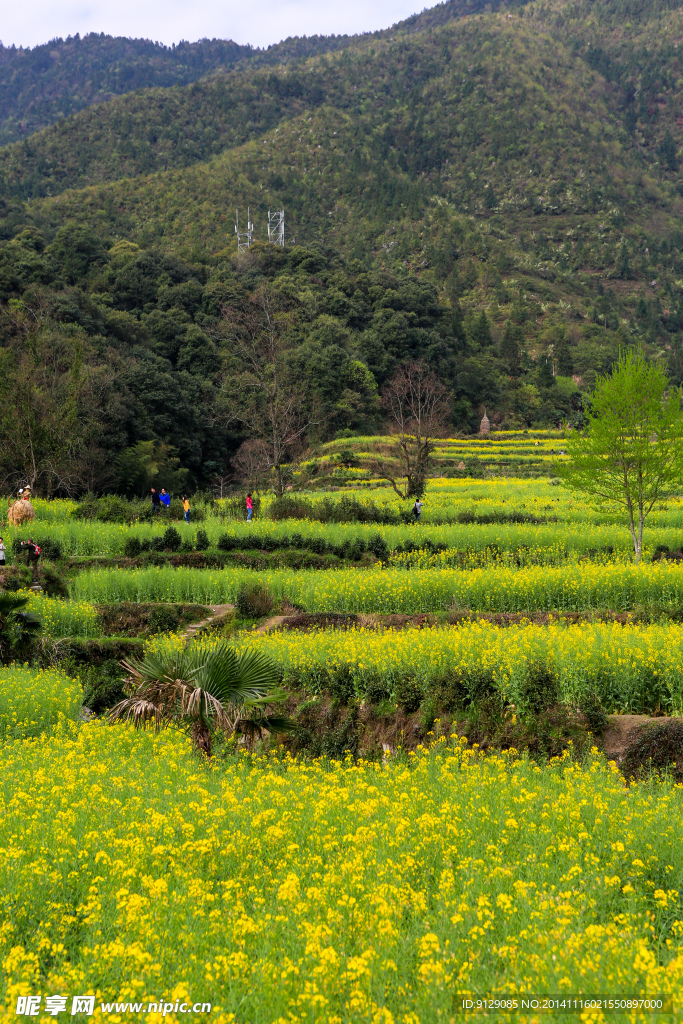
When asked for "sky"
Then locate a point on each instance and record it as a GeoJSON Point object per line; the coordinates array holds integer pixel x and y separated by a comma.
{"type": "Point", "coordinates": [259, 22]}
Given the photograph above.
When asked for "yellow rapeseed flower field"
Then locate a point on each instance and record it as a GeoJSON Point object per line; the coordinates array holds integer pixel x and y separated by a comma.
{"type": "Point", "coordinates": [631, 668]}
{"type": "Point", "coordinates": [282, 891]}
{"type": "Point", "coordinates": [35, 701]}
{"type": "Point", "coordinates": [656, 585]}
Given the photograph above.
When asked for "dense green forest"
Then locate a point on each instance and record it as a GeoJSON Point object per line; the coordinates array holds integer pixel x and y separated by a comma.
{"type": "Point", "coordinates": [498, 194]}
{"type": "Point", "coordinates": [42, 84]}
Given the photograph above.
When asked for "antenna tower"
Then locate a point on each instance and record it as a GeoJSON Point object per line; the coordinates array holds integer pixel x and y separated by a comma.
{"type": "Point", "coordinates": [243, 237]}
{"type": "Point", "coordinates": [276, 227]}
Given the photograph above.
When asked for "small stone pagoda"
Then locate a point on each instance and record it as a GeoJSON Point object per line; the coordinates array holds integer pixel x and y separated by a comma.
{"type": "Point", "coordinates": [485, 426]}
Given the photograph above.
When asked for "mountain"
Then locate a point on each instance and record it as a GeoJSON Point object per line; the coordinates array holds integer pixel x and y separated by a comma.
{"type": "Point", "coordinates": [41, 85]}
{"type": "Point", "coordinates": [497, 192]}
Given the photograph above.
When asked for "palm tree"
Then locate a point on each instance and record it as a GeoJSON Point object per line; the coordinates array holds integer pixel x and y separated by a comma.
{"type": "Point", "coordinates": [203, 692]}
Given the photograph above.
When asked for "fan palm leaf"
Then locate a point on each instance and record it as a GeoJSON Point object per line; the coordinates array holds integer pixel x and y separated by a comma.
{"type": "Point", "coordinates": [204, 691]}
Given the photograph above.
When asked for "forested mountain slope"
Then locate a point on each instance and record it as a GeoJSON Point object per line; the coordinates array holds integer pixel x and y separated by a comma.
{"type": "Point", "coordinates": [41, 85]}
{"type": "Point", "coordinates": [499, 194]}
{"type": "Point", "coordinates": [384, 148]}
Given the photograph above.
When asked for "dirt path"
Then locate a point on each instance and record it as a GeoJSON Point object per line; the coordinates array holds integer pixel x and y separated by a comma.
{"type": "Point", "coordinates": [222, 609]}
{"type": "Point", "coordinates": [618, 733]}
{"type": "Point", "coordinates": [196, 627]}
{"type": "Point", "coordinates": [271, 623]}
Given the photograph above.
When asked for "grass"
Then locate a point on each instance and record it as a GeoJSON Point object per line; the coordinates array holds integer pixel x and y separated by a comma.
{"type": "Point", "coordinates": [277, 889]}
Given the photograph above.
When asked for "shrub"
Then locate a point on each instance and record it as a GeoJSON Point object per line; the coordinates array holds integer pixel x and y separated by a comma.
{"type": "Point", "coordinates": [291, 508]}
{"type": "Point", "coordinates": [156, 544]}
{"type": "Point", "coordinates": [378, 546]}
{"type": "Point", "coordinates": [356, 549]}
{"type": "Point", "coordinates": [596, 718]}
{"type": "Point", "coordinates": [235, 507]}
{"type": "Point", "coordinates": [346, 510]}
{"type": "Point", "coordinates": [52, 583]}
{"type": "Point", "coordinates": [112, 508]}
{"type": "Point", "coordinates": [492, 709]}
{"type": "Point", "coordinates": [340, 683]}
{"type": "Point", "coordinates": [163, 619]}
{"type": "Point", "coordinates": [176, 510]}
{"type": "Point", "coordinates": [658, 748]}
{"type": "Point", "coordinates": [253, 601]}
{"type": "Point", "coordinates": [202, 540]}
{"type": "Point", "coordinates": [408, 694]}
{"type": "Point", "coordinates": [172, 538]}
{"type": "Point", "coordinates": [132, 547]}
{"type": "Point", "coordinates": [102, 685]}
{"type": "Point", "coordinates": [377, 691]}
{"type": "Point", "coordinates": [540, 689]}
{"type": "Point", "coordinates": [50, 548]}
{"type": "Point", "coordinates": [227, 543]}
{"type": "Point", "coordinates": [478, 684]}
{"type": "Point", "coordinates": [450, 692]}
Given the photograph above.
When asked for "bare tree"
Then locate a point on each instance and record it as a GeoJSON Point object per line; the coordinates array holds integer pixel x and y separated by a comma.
{"type": "Point", "coordinates": [272, 403]}
{"type": "Point", "coordinates": [415, 401]}
{"type": "Point", "coordinates": [252, 463]}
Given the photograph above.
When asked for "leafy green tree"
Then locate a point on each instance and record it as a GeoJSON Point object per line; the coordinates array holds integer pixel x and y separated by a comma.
{"type": "Point", "coordinates": [149, 463]}
{"type": "Point", "coordinates": [75, 250]}
{"type": "Point", "coordinates": [544, 373]}
{"type": "Point", "coordinates": [204, 693]}
{"type": "Point", "coordinates": [631, 451]}
{"type": "Point", "coordinates": [667, 152]}
{"type": "Point", "coordinates": [510, 347]}
{"type": "Point", "coordinates": [564, 364]}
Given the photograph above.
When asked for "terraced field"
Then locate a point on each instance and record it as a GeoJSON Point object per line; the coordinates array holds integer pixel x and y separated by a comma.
{"type": "Point", "coordinates": [375, 864]}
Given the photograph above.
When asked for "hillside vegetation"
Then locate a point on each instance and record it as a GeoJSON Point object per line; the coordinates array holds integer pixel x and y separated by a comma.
{"type": "Point", "coordinates": [497, 193]}
{"type": "Point", "coordinates": [43, 84]}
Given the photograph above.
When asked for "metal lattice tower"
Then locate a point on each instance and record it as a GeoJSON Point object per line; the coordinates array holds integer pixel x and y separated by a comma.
{"type": "Point", "coordinates": [243, 237]}
{"type": "Point", "coordinates": [276, 227]}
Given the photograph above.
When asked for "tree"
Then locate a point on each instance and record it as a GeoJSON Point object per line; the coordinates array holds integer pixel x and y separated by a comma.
{"type": "Point", "coordinates": [510, 345]}
{"type": "Point", "coordinates": [265, 384]}
{"type": "Point", "coordinates": [632, 448]}
{"type": "Point", "coordinates": [415, 401]}
{"type": "Point", "coordinates": [148, 463]}
{"type": "Point", "coordinates": [667, 151]}
{"type": "Point", "coordinates": [43, 414]}
{"type": "Point", "coordinates": [544, 372]}
{"type": "Point", "coordinates": [204, 692]}
{"type": "Point", "coordinates": [563, 354]}
{"type": "Point", "coordinates": [252, 463]}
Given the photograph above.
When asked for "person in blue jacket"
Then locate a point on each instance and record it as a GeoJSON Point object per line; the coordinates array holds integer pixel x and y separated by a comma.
{"type": "Point", "coordinates": [165, 499]}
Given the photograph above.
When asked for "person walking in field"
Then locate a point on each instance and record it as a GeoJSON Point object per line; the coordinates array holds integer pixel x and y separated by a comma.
{"type": "Point", "coordinates": [250, 508]}
{"type": "Point", "coordinates": [417, 509]}
{"type": "Point", "coordinates": [186, 508]}
{"type": "Point", "coordinates": [156, 502]}
{"type": "Point", "coordinates": [165, 499]}
{"type": "Point", "coordinates": [3, 552]}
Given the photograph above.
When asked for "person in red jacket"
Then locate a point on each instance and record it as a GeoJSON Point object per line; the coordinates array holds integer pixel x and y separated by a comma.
{"type": "Point", "coordinates": [250, 508]}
